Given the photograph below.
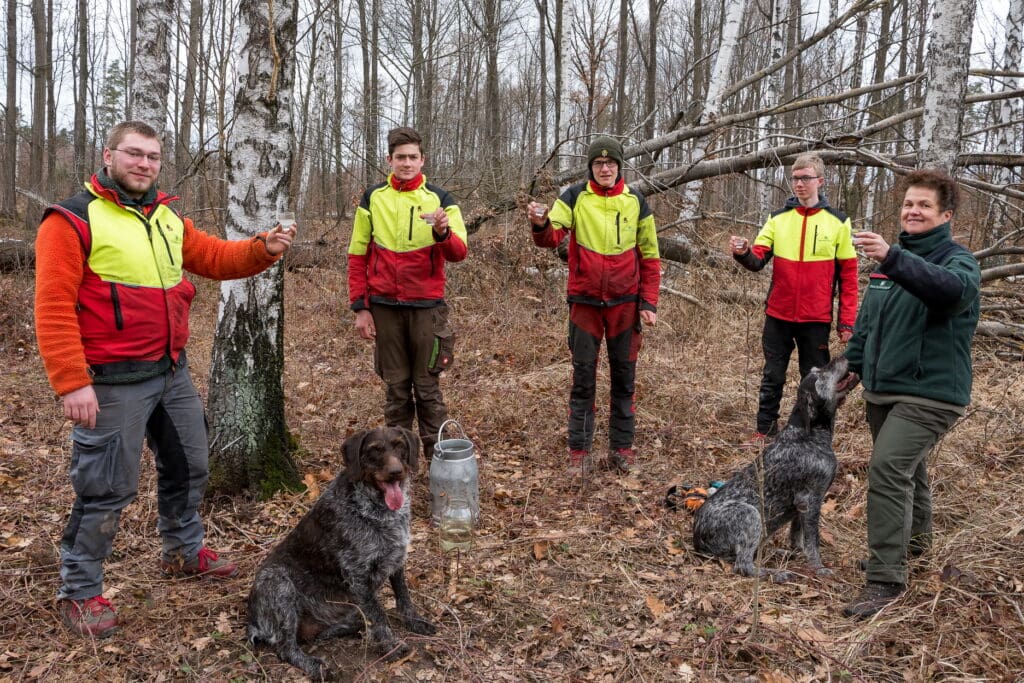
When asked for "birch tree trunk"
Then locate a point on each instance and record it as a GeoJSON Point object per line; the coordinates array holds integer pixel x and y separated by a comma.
{"type": "Point", "coordinates": [249, 444]}
{"type": "Point", "coordinates": [151, 64]}
{"type": "Point", "coordinates": [949, 53]}
{"type": "Point", "coordinates": [1009, 111]}
{"type": "Point", "coordinates": [769, 125]}
{"type": "Point", "coordinates": [719, 81]}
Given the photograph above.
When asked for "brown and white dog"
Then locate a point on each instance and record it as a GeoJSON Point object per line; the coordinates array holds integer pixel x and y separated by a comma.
{"type": "Point", "coordinates": [322, 580]}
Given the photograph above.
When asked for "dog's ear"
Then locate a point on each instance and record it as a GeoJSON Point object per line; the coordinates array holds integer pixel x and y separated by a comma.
{"type": "Point", "coordinates": [810, 411]}
{"type": "Point", "coordinates": [412, 448]}
{"type": "Point", "coordinates": [352, 452]}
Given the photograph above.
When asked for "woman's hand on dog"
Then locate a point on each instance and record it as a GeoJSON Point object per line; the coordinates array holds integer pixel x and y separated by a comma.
{"type": "Point", "coordinates": [364, 325]}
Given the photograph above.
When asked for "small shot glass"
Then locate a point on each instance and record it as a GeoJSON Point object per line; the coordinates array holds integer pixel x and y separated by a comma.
{"type": "Point", "coordinates": [539, 210]}
{"type": "Point", "coordinates": [430, 219]}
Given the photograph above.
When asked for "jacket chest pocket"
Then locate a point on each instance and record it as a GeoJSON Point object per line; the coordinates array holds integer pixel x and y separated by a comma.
{"type": "Point", "coordinates": [824, 241]}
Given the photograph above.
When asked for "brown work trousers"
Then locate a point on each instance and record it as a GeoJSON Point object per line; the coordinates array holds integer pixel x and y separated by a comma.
{"type": "Point", "coordinates": [413, 346]}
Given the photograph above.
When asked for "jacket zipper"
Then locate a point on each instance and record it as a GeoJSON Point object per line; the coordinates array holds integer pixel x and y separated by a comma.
{"type": "Point", "coordinates": [815, 245]}
{"type": "Point", "coordinates": [618, 229]}
{"type": "Point", "coordinates": [411, 212]}
{"type": "Point", "coordinates": [115, 300]}
{"type": "Point", "coordinates": [167, 244]}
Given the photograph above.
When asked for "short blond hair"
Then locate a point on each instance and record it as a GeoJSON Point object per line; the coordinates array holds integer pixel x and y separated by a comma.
{"type": "Point", "coordinates": [810, 160]}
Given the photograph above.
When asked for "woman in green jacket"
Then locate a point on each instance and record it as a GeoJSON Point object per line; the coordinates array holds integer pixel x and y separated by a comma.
{"type": "Point", "coordinates": [912, 347]}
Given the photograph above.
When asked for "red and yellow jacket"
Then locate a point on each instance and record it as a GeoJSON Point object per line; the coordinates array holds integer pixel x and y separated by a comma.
{"type": "Point", "coordinates": [613, 244]}
{"type": "Point", "coordinates": [394, 257]}
{"type": "Point", "coordinates": [110, 283]}
{"type": "Point", "coordinates": [814, 260]}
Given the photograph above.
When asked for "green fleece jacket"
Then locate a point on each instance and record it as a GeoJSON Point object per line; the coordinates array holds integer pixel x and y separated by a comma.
{"type": "Point", "coordinates": [914, 329]}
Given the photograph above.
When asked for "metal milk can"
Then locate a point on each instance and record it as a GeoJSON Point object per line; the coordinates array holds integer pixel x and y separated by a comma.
{"type": "Point", "coordinates": [453, 473]}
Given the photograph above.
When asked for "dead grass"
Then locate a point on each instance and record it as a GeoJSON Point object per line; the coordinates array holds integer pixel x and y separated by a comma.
{"type": "Point", "coordinates": [598, 585]}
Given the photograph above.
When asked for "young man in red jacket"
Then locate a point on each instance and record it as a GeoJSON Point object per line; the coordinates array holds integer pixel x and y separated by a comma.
{"type": "Point", "coordinates": [614, 276]}
{"type": "Point", "coordinates": [112, 307]}
{"type": "Point", "coordinates": [814, 257]}
{"type": "Point", "coordinates": [404, 232]}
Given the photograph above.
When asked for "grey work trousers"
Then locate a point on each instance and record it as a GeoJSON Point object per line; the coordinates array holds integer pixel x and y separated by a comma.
{"type": "Point", "coordinates": [105, 474]}
{"type": "Point", "coordinates": [899, 501]}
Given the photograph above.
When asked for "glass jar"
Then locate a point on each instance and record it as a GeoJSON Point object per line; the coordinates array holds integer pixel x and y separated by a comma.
{"type": "Point", "coordinates": [456, 525]}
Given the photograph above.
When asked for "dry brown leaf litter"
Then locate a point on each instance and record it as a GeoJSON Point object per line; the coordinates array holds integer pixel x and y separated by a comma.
{"type": "Point", "coordinates": [562, 584]}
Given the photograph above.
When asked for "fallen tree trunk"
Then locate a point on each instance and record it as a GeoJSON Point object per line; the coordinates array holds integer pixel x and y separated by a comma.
{"type": "Point", "coordinates": [989, 328]}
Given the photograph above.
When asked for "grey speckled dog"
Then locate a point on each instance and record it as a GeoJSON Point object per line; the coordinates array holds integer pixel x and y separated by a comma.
{"type": "Point", "coordinates": [798, 467]}
{"type": "Point", "coordinates": [322, 580]}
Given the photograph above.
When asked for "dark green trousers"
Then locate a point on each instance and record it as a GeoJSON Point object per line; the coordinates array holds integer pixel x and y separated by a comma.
{"type": "Point", "coordinates": [405, 346]}
{"type": "Point", "coordinates": [899, 501]}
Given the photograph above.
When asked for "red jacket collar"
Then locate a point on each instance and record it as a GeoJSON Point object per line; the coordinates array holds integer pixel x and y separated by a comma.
{"type": "Point", "coordinates": [405, 185]}
{"type": "Point", "coordinates": [615, 189]}
{"type": "Point", "coordinates": [807, 210]}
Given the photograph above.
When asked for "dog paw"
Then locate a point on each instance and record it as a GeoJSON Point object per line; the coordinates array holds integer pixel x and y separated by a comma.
{"type": "Point", "coordinates": [317, 669]}
{"type": "Point", "coordinates": [781, 577]}
{"type": "Point", "coordinates": [396, 650]}
{"type": "Point", "coordinates": [823, 571]}
{"type": "Point", "coordinates": [421, 626]}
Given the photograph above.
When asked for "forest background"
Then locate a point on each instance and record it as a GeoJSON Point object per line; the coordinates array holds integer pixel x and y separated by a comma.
{"type": "Point", "coordinates": [280, 102]}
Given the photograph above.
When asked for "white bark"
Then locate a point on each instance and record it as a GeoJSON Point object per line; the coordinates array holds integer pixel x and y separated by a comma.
{"type": "Point", "coordinates": [949, 54]}
{"type": "Point", "coordinates": [150, 79]}
{"type": "Point", "coordinates": [713, 103]}
{"type": "Point", "coordinates": [769, 125]}
{"type": "Point", "coordinates": [246, 404]}
{"type": "Point", "coordinates": [1009, 110]}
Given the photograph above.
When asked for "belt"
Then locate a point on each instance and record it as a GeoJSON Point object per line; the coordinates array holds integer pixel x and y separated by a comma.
{"type": "Point", "coordinates": [132, 371]}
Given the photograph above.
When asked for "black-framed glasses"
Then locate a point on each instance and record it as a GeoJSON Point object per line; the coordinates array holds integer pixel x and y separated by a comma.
{"type": "Point", "coordinates": [611, 163]}
{"type": "Point", "coordinates": [804, 178]}
{"type": "Point", "coordinates": [137, 154]}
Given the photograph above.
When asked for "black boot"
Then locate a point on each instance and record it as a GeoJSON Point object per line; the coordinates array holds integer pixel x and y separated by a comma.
{"type": "Point", "coordinates": [873, 597]}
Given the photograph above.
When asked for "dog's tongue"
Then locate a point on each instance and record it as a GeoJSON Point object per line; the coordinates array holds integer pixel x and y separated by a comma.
{"type": "Point", "coordinates": [393, 495]}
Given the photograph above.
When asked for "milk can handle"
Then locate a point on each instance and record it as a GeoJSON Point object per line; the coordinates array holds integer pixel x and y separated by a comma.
{"type": "Point", "coordinates": [445, 424]}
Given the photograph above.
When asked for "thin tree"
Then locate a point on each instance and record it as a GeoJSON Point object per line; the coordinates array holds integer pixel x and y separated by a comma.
{"type": "Point", "coordinates": [250, 448]}
{"type": "Point", "coordinates": [37, 137]}
{"type": "Point", "coordinates": [82, 163]}
{"type": "Point", "coordinates": [949, 53]}
{"type": "Point", "coordinates": [10, 147]}
{"type": "Point", "coordinates": [720, 77]}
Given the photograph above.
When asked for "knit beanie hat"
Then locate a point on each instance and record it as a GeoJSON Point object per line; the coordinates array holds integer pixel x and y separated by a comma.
{"type": "Point", "coordinates": [604, 146]}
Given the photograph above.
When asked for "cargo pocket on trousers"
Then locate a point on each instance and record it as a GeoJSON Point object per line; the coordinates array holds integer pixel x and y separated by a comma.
{"type": "Point", "coordinates": [443, 354]}
{"type": "Point", "coordinates": [94, 463]}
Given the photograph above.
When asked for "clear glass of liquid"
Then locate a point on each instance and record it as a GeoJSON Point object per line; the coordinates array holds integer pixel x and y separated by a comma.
{"type": "Point", "coordinates": [456, 527]}
{"type": "Point", "coordinates": [286, 219]}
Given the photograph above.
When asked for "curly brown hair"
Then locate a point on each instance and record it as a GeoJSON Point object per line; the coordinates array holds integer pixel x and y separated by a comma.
{"type": "Point", "coordinates": [946, 188]}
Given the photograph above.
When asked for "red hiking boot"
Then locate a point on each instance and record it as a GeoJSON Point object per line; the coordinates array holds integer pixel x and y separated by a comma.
{"type": "Point", "coordinates": [207, 564]}
{"type": "Point", "coordinates": [94, 617]}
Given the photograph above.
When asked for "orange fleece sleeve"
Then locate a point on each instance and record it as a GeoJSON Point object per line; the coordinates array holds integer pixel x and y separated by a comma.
{"type": "Point", "coordinates": [60, 264]}
{"type": "Point", "coordinates": [217, 259]}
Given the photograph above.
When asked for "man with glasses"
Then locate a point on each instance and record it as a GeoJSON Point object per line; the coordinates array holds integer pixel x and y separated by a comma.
{"type": "Point", "coordinates": [814, 260]}
{"type": "Point", "coordinates": [614, 275]}
{"type": "Point", "coordinates": [111, 309]}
